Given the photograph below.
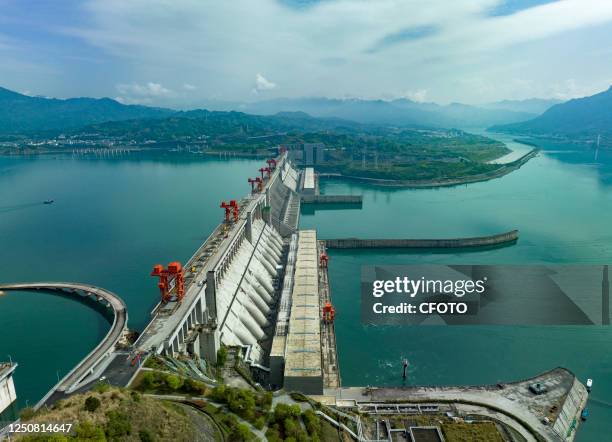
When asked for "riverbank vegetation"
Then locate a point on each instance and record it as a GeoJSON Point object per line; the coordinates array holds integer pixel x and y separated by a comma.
{"type": "Point", "coordinates": [385, 152]}
{"type": "Point", "coordinates": [115, 415]}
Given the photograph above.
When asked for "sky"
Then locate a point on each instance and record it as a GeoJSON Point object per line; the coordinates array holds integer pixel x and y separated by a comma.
{"type": "Point", "coordinates": [185, 53]}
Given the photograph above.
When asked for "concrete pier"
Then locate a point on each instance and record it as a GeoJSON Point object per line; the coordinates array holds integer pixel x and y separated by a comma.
{"type": "Point", "coordinates": [310, 194]}
{"type": "Point", "coordinates": [332, 199]}
{"type": "Point", "coordinates": [452, 243]}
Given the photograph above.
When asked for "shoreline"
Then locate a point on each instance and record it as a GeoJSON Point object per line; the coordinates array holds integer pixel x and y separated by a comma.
{"type": "Point", "coordinates": [503, 170]}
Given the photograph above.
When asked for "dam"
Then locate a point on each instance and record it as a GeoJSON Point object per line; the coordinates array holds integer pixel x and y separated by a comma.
{"type": "Point", "coordinates": [234, 280]}
{"type": "Point", "coordinates": [258, 284]}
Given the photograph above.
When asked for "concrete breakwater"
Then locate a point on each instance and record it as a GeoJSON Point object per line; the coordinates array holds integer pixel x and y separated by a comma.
{"type": "Point", "coordinates": [332, 199]}
{"type": "Point", "coordinates": [451, 243]}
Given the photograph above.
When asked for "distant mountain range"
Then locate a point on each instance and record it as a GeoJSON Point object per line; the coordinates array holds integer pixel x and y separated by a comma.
{"type": "Point", "coordinates": [230, 125]}
{"type": "Point", "coordinates": [22, 113]}
{"type": "Point", "coordinates": [581, 118]}
{"type": "Point", "coordinates": [535, 106]}
{"type": "Point", "coordinates": [395, 112]}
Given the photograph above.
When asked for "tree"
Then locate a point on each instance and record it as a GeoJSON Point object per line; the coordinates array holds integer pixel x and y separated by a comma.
{"type": "Point", "coordinates": [241, 433]}
{"type": "Point", "coordinates": [118, 425]}
{"type": "Point", "coordinates": [174, 382]}
{"type": "Point", "coordinates": [292, 427]}
{"type": "Point", "coordinates": [86, 431]}
{"type": "Point", "coordinates": [283, 411]}
{"type": "Point", "coordinates": [312, 422]}
{"type": "Point", "coordinates": [146, 436]}
{"type": "Point", "coordinates": [92, 403]}
{"type": "Point", "coordinates": [148, 380]}
{"type": "Point", "coordinates": [221, 356]}
{"type": "Point", "coordinates": [219, 393]}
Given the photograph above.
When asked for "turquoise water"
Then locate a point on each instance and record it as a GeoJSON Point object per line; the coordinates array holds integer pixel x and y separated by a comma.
{"type": "Point", "coordinates": [560, 201]}
{"type": "Point", "coordinates": [114, 219]}
{"type": "Point", "coordinates": [111, 222]}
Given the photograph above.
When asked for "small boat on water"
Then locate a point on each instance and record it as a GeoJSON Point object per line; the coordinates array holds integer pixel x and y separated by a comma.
{"type": "Point", "coordinates": [584, 415]}
{"type": "Point", "coordinates": [48, 201]}
{"type": "Point", "coordinates": [589, 385]}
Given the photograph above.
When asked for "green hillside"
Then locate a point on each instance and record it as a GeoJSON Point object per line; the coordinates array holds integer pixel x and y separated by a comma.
{"type": "Point", "coordinates": [21, 113]}
{"type": "Point", "coordinates": [582, 119]}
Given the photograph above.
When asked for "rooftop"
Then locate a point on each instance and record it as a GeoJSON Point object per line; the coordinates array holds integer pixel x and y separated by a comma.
{"type": "Point", "coordinates": [309, 181]}
{"type": "Point", "coordinates": [303, 351]}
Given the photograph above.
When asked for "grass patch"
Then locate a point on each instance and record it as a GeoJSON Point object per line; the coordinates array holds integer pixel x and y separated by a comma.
{"type": "Point", "coordinates": [120, 416]}
{"type": "Point", "coordinates": [474, 432]}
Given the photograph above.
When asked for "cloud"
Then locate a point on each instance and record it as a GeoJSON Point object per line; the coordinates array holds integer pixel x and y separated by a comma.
{"type": "Point", "coordinates": [403, 36]}
{"type": "Point", "coordinates": [419, 95]}
{"type": "Point", "coordinates": [189, 87]}
{"type": "Point", "coordinates": [149, 89]}
{"type": "Point", "coordinates": [136, 93]}
{"type": "Point", "coordinates": [350, 47]}
{"type": "Point", "coordinates": [132, 100]}
{"type": "Point", "coordinates": [263, 84]}
{"type": "Point", "coordinates": [568, 89]}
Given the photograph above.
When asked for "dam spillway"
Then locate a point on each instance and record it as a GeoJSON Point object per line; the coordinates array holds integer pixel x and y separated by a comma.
{"type": "Point", "coordinates": [234, 281]}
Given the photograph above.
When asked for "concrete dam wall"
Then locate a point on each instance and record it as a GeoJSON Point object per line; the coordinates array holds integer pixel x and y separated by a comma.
{"type": "Point", "coordinates": [452, 243]}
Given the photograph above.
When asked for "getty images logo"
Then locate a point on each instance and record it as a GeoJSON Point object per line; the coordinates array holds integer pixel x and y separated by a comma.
{"type": "Point", "coordinates": [413, 287]}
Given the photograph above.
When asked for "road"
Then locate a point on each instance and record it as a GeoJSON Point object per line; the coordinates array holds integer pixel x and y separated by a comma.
{"type": "Point", "coordinates": [105, 346]}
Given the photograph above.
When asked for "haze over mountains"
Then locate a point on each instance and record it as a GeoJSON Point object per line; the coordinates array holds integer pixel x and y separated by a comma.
{"type": "Point", "coordinates": [580, 118]}
{"type": "Point", "coordinates": [22, 113]}
{"type": "Point", "coordinates": [535, 106]}
{"type": "Point", "coordinates": [395, 112]}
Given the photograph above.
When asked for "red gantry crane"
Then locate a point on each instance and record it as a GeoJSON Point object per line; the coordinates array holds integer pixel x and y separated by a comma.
{"type": "Point", "coordinates": [256, 184]}
{"type": "Point", "coordinates": [323, 260]}
{"type": "Point", "coordinates": [231, 208]}
{"type": "Point", "coordinates": [171, 280]}
{"type": "Point", "coordinates": [266, 170]}
{"type": "Point", "coordinates": [253, 182]}
{"type": "Point", "coordinates": [328, 313]}
{"type": "Point", "coordinates": [271, 163]}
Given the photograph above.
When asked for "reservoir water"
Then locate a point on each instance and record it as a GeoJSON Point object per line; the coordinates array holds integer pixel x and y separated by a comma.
{"type": "Point", "coordinates": [113, 219]}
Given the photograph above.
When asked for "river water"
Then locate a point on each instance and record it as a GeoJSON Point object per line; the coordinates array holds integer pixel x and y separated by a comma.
{"type": "Point", "coordinates": [114, 218]}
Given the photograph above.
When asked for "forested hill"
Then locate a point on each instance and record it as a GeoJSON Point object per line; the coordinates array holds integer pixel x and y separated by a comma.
{"type": "Point", "coordinates": [582, 118]}
{"type": "Point", "coordinates": [21, 113]}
